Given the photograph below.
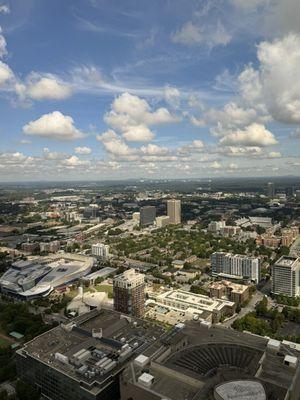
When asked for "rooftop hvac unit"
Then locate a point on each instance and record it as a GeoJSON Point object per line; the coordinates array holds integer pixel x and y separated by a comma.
{"type": "Point", "coordinates": [141, 361]}
{"type": "Point", "coordinates": [60, 357]}
{"type": "Point", "coordinates": [146, 379]}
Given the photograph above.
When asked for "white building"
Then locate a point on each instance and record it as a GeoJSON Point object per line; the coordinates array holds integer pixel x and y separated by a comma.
{"type": "Point", "coordinates": [215, 226]}
{"type": "Point", "coordinates": [100, 250]}
{"type": "Point", "coordinates": [285, 276]}
{"type": "Point", "coordinates": [235, 266]}
{"type": "Point", "coordinates": [194, 305]}
{"type": "Point", "coordinates": [162, 221]}
{"type": "Point", "coordinates": [174, 211]}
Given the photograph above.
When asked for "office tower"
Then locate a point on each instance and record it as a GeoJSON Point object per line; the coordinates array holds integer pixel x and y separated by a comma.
{"type": "Point", "coordinates": [174, 211]}
{"type": "Point", "coordinates": [129, 293]}
{"type": "Point", "coordinates": [147, 215]}
{"type": "Point", "coordinates": [100, 250]}
{"type": "Point", "coordinates": [285, 276]}
{"type": "Point", "coordinates": [235, 266]}
{"type": "Point", "coordinates": [271, 189]}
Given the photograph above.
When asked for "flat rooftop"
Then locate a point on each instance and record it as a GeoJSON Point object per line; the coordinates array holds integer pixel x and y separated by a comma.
{"type": "Point", "coordinates": [74, 348]}
{"type": "Point", "coordinates": [192, 300]}
{"type": "Point", "coordinates": [288, 262]}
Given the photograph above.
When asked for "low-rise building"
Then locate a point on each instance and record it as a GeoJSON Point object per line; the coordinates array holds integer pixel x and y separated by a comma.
{"type": "Point", "coordinates": [194, 305]}
{"type": "Point", "coordinates": [233, 291]}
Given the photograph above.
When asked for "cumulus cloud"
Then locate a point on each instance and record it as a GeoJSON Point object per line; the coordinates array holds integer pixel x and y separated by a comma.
{"type": "Point", "coordinates": [154, 150]}
{"type": "Point", "coordinates": [114, 145]}
{"type": "Point", "coordinates": [74, 161]}
{"type": "Point", "coordinates": [54, 125]}
{"type": "Point", "coordinates": [5, 73]}
{"type": "Point", "coordinates": [215, 165]}
{"type": "Point", "coordinates": [276, 83]}
{"type": "Point", "coordinates": [83, 150]}
{"type": "Point", "coordinates": [132, 116]}
{"type": "Point", "coordinates": [47, 88]}
{"type": "Point", "coordinates": [252, 135]}
{"type": "Point", "coordinates": [139, 133]}
{"type": "Point", "coordinates": [240, 151]}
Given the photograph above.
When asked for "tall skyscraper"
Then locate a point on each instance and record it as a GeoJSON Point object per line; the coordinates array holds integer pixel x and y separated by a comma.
{"type": "Point", "coordinates": [147, 215]}
{"type": "Point", "coordinates": [285, 276]}
{"type": "Point", "coordinates": [129, 293]}
{"type": "Point", "coordinates": [271, 189]}
{"type": "Point", "coordinates": [235, 266]}
{"type": "Point", "coordinates": [174, 211]}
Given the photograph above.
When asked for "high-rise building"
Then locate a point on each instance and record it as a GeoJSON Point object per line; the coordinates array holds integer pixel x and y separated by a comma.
{"type": "Point", "coordinates": [100, 250]}
{"type": "Point", "coordinates": [235, 266]}
{"type": "Point", "coordinates": [270, 189]}
{"type": "Point", "coordinates": [285, 276]}
{"type": "Point", "coordinates": [129, 293]}
{"type": "Point", "coordinates": [147, 215]}
{"type": "Point", "coordinates": [174, 211]}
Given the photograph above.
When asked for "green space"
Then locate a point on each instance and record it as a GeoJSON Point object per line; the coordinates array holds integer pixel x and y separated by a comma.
{"type": "Point", "coordinates": [105, 288]}
{"type": "Point", "coordinates": [4, 342]}
{"type": "Point", "coordinates": [270, 322]}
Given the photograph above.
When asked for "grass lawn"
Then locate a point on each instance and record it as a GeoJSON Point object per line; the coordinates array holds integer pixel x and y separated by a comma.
{"type": "Point", "coordinates": [105, 288]}
{"type": "Point", "coordinates": [4, 342]}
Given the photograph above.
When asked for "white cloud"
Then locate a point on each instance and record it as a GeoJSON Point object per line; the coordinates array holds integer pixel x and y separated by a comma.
{"type": "Point", "coordinates": [5, 73]}
{"type": "Point", "coordinates": [197, 121]}
{"type": "Point", "coordinates": [240, 151]}
{"type": "Point", "coordinates": [132, 116]}
{"type": "Point", "coordinates": [189, 34]}
{"type": "Point", "coordinates": [4, 9]}
{"type": "Point", "coordinates": [83, 150]}
{"type": "Point", "coordinates": [232, 166]}
{"type": "Point", "coordinates": [192, 34]}
{"type": "Point", "coordinates": [154, 150]}
{"type": "Point", "coordinates": [3, 50]}
{"type": "Point", "coordinates": [252, 135]}
{"type": "Point", "coordinates": [172, 96]}
{"type": "Point", "coordinates": [54, 125]}
{"type": "Point", "coordinates": [114, 145]}
{"type": "Point", "coordinates": [276, 83]}
{"type": "Point", "coordinates": [47, 88]}
{"type": "Point", "coordinates": [74, 161]}
{"type": "Point", "coordinates": [139, 133]}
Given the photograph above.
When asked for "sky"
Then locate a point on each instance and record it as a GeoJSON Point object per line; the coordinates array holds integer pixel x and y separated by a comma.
{"type": "Point", "coordinates": [110, 89]}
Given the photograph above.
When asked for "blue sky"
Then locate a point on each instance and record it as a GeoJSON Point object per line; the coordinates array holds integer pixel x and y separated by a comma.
{"type": "Point", "coordinates": [102, 89]}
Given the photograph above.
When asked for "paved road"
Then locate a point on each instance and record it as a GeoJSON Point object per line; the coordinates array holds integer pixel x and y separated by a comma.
{"type": "Point", "coordinates": [257, 296]}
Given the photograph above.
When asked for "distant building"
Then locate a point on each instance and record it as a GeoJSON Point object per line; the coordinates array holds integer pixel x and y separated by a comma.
{"type": "Point", "coordinates": [30, 247]}
{"type": "Point", "coordinates": [285, 276]}
{"type": "Point", "coordinates": [162, 221]}
{"type": "Point", "coordinates": [136, 216]}
{"type": "Point", "coordinates": [174, 211]}
{"type": "Point", "coordinates": [270, 189]}
{"type": "Point", "coordinates": [50, 247]}
{"type": "Point", "coordinates": [147, 215]}
{"type": "Point", "coordinates": [100, 250]}
{"type": "Point", "coordinates": [129, 293]}
{"type": "Point", "coordinates": [215, 226]}
{"type": "Point", "coordinates": [235, 266]}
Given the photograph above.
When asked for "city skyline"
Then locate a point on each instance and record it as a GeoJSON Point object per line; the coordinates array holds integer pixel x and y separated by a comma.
{"type": "Point", "coordinates": [97, 90]}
